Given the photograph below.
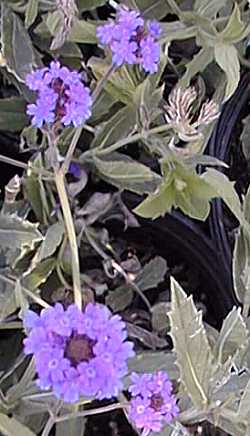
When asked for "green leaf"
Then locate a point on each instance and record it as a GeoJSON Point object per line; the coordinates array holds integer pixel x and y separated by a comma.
{"type": "Point", "coordinates": [233, 336]}
{"type": "Point", "coordinates": [151, 361]}
{"type": "Point", "coordinates": [71, 427]}
{"type": "Point", "coordinates": [225, 189]}
{"type": "Point", "coordinates": [241, 258]}
{"type": "Point", "coordinates": [17, 234]}
{"type": "Point", "coordinates": [35, 190]}
{"type": "Point", "coordinates": [17, 48]}
{"type": "Point", "coordinates": [149, 339]}
{"type": "Point", "coordinates": [12, 114]}
{"type": "Point", "coordinates": [39, 274]}
{"type": "Point", "coordinates": [194, 355]}
{"type": "Point", "coordinates": [176, 31]}
{"type": "Point", "coordinates": [226, 57]}
{"type": "Point", "coordinates": [120, 298]}
{"type": "Point", "coordinates": [8, 302]}
{"type": "Point", "coordinates": [160, 320]}
{"type": "Point", "coordinates": [146, 99]}
{"type": "Point", "coordinates": [198, 64]}
{"type": "Point", "coordinates": [243, 410]}
{"type": "Point", "coordinates": [101, 107]}
{"type": "Point", "coordinates": [152, 274]}
{"type": "Point", "coordinates": [17, 391]}
{"type": "Point", "coordinates": [235, 29]}
{"type": "Point", "coordinates": [206, 160]}
{"type": "Point", "coordinates": [21, 298]}
{"type": "Point", "coordinates": [182, 188]}
{"type": "Point", "coordinates": [126, 173]}
{"type": "Point", "coordinates": [151, 9]}
{"type": "Point", "coordinates": [209, 8]}
{"type": "Point", "coordinates": [87, 5]}
{"type": "Point", "coordinates": [31, 12]}
{"type": "Point", "coordinates": [52, 240]}
{"type": "Point", "coordinates": [226, 422]}
{"type": "Point", "coordinates": [245, 137]}
{"type": "Point", "coordinates": [121, 84]}
{"type": "Point", "coordinates": [117, 127]}
{"type": "Point", "coordinates": [10, 427]}
{"type": "Point", "coordinates": [157, 204]}
{"type": "Point", "coordinates": [82, 31]}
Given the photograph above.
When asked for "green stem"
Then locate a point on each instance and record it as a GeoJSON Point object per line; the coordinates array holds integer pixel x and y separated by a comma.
{"type": "Point", "coordinates": [30, 294]}
{"type": "Point", "coordinates": [90, 412]}
{"type": "Point", "coordinates": [125, 141]}
{"type": "Point", "coordinates": [245, 311]}
{"type": "Point", "coordinates": [100, 85]}
{"type": "Point", "coordinates": [19, 164]}
{"type": "Point", "coordinates": [69, 224]}
{"type": "Point", "coordinates": [77, 134]}
{"type": "Point", "coordinates": [68, 219]}
{"type": "Point", "coordinates": [71, 149]}
{"type": "Point", "coordinates": [175, 8]}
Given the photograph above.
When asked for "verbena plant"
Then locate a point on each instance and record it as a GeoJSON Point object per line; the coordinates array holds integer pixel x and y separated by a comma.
{"type": "Point", "coordinates": [88, 97]}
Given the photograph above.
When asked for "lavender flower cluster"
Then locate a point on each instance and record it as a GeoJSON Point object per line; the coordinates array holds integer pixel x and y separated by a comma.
{"type": "Point", "coordinates": [78, 353]}
{"type": "Point", "coordinates": [152, 402]}
{"type": "Point", "coordinates": [131, 40]}
{"type": "Point", "coordinates": [62, 96]}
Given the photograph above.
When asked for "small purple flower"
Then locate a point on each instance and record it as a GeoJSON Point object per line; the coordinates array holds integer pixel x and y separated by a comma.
{"type": "Point", "coordinates": [43, 110]}
{"type": "Point", "coordinates": [75, 170]}
{"type": "Point", "coordinates": [150, 54]}
{"type": "Point", "coordinates": [152, 404]}
{"type": "Point", "coordinates": [154, 29]}
{"type": "Point", "coordinates": [62, 97]}
{"type": "Point", "coordinates": [78, 353]}
{"type": "Point", "coordinates": [131, 40]}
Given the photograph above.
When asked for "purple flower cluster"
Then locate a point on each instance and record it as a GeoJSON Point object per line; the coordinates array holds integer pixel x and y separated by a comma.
{"type": "Point", "coordinates": [78, 353]}
{"type": "Point", "coordinates": [62, 96]}
{"type": "Point", "coordinates": [131, 40]}
{"type": "Point", "coordinates": [152, 402]}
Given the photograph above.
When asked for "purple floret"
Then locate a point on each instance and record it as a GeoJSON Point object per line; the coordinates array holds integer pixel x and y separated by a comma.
{"type": "Point", "coordinates": [62, 97]}
{"type": "Point", "coordinates": [154, 29]}
{"type": "Point", "coordinates": [152, 404]}
{"type": "Point", "coordinates": [124, 52]}
{"type": "Point", "coordinates": [75, 170]}
{"type": "Point", "coordinates": [78, 353]}
{"type": "Point", "coordinates": [150, 54]}
{"type": "Point", "coordinates": [131, 40]}
{"type": "Point", "coordinates": [105, 33]}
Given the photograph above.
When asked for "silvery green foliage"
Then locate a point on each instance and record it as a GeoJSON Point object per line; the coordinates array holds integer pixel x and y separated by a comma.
{"type": "Point", "coordinates": [128, 147]}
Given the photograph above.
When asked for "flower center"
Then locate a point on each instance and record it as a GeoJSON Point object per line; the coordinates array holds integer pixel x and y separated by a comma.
{"type": "Point", "coordinates": [57, 85]}
{"type": "Point", "coordinates": [61, 90]}
{"type": "Point", "coordinates": [79, 348]}
{"type": "Point", "coordinates": [139, 35]}
{"type": "Point", "coordinates": [156, 402]}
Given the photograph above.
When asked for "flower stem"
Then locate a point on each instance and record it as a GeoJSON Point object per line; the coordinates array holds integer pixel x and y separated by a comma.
{"type": "Point", "coordinates": [100, 151]}
{"type": "Point", "coordinates": [100, 85]}
{"type": "Point", "coordinates": [90, 412]}
{"type": "Point", "coordinates": [71, 149]}
{"type": "Point", "coordinates": [69, 224]}
{"type": "Point", "coordinates": [68, 220]}
{"type": "Point", "coordinates": [77, 134]}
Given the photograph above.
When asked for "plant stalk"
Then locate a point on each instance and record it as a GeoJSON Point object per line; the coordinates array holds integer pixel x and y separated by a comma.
{"type": "Point", "coordinates": [125, 141]}
{"type": "Point", "coordinates": [69, 224]}
{"type": "Point", "coordinates": [68, 219]}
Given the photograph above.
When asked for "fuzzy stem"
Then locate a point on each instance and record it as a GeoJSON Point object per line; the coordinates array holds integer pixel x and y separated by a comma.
{"type": "Point", "coordinates": [68, 219]}
{"type": "Point", "coordinates": [125, 141]}
{"type": "Point", "coordinates": [69, 224]}
{"type": "Point", "coordinates": [100, 85]}
{"type": "Point", "coordinates": [77, 134]}
{"type": "Point", "coordinates": [71, 149]}
{"type": "Point", "coordinates": [90, 412]}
